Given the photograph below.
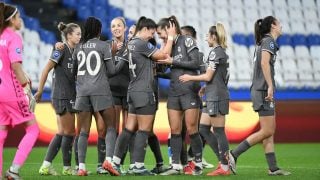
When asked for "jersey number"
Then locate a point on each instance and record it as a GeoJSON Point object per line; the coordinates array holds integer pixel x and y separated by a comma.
{"type": "Point", "coordinates": [132, 66]}
{"type": "Point", "coordinates": [87, 61]}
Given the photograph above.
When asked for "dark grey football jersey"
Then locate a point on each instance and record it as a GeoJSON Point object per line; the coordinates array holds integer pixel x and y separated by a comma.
{"type": "Point", "coordinates": [141, 65]}
{"type": "Point", "coordinates": [94, 58]}
{"type": "Point", "coordinates": [119, 83]}
{"type": "Point", "coordinates": [270, 45]}
{"type": "Point", "coordinates": [64, 74]}
{"type": "Point", "coordinates": [203, 63]}
{"type": "Point", "coordinates": [217, 87]}
{"type": "Point", "coordinates": [185, 55]}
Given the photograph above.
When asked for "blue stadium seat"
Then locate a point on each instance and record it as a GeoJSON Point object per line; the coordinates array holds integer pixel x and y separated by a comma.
{"type": "Point", "coordinates": [103, 3]}
{"type": "Point", "coordinates": [239, 39]}
{"type": "Point", "coordinates": [100, 12]}
{"type": "Point", "coordinates": [250, 40]}
{"type": "Point", "coordinates": [284, 39]}
{"type": "Point", "coordinates": [21, 10]}
{"type": "Point", "coordinates": [70, 3]}
{"type": "Point", "coordinates": [31, 23]}
{"type": "Point", "coordinates": [84, 12]}
{"type": "Point", "coordinates": [7, 1]}
{"type": "Point", "coordinates": [313, 40]}
{"type": "Point", "coordinates": [115, 12]}
{"type": "Point", "coordinates": [130, 22]}
{"type": "Point", "coordinates": [298, 39]}
{"type": "Point", "coordinates": [47, 36]}
{"type": "Point", "coordinates": [87, 3]}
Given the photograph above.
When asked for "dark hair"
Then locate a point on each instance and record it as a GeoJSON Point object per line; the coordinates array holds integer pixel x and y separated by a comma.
{"type": "Point", "coordinates": [164, 22]}
{"type": "Point", "coordinates": [220, 32]}
{"type": "Point", "coordinates": [6, 11]}
{"type": "Point", "coordinates": [144, 22]}
{"type": "Point", "coordinates": [66, 29]}
{"type": "Point", "coordinates": [263, 27]}
{"type": "Point", "coordinates": [92, 29]}
{"type": "Point", "coordinates": [190, 30]}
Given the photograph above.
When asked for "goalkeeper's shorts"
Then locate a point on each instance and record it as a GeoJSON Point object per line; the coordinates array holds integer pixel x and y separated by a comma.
{"type": "Point", "coordinates": [15, 112]}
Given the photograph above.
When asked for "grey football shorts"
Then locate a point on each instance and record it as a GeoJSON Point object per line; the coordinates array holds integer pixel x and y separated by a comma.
{"type": "Point", "coordinates": [93, 103]}
{"type": "Point", "coordinates": [260, 105]}
{"type": "Point", "coordinates": [214, 108]}
{"type": "Point", "coordinates": [184, 102]}
{"type": "Point", "coordinates": [120, 101]}
{"type": "Point", "coordinates": [142, 103]}
{"type": "Point", "coordinates": [62, 106]}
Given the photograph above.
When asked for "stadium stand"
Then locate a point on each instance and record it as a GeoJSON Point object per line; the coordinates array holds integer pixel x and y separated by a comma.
{"type": "Point", "coordinates": [299, 57]}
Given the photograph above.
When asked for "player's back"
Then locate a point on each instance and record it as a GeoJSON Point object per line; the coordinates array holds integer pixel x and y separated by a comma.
{"type": "Point", "coordinates": [92, 76]}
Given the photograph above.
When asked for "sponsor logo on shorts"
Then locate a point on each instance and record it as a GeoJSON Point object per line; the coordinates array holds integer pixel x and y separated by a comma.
{"type": "Point", "coordinates": [271, 105]}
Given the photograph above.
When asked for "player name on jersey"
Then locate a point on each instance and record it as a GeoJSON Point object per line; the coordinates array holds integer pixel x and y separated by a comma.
{"type": "Point", "coordinates": [89, 45]}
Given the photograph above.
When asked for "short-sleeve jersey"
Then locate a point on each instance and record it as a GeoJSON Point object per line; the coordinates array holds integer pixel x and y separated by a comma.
{"type": "Point", "coordinates": [267, 44]}
{"type": "Point", "coordinates": [217, 87]}
{"type": "Point", "coordinates": [120, 82]}
{"type": "Point", "coordinates": [64, 74]}
{"type": "Point", "coordinates": [141, 65]}
{"type": "Point", "coordinates": [183, 46]}
{"type": "Point", "coordinates": [10, 52]}
{"type": "Point", "coordinates": [92, 76]}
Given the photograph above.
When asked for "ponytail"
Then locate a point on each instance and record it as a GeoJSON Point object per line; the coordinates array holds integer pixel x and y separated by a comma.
{"type": "Point", "coordinates": [222, 35]}
{"type": "Point", "coordinates": [263, 27]}
{"type": "Point", "coordinates": [257, 33]}
{"type": "Point", "coordinates": [164, 23]}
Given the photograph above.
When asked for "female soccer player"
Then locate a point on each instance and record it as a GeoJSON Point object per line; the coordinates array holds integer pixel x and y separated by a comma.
{"type": "Point", "coordinates": [267, 30]}
{"type": "Point", "coordinates": [119, 83]}
{"type": "Point", "coordinates": [93, 91]}
{"type": "Point", "coordinates": [141, 97]}
{"type": "Point", "coordinates": [183, 99]}
{"type": "Point", "coordinates": [63, 98]}
{"type": "Point", "coordinates": [15, 90]}
{"type": "Point", "coordinates": [217, 95]}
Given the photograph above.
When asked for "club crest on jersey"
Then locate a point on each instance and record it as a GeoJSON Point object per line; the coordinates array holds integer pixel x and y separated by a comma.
{"type": "Point", "coordinates": [150, 46]}
{"type": "Point", "coordinates": [18, 50]}
{"type": "Point", "coordinates": [189, 42]}
{"type": "Point", "coordinates": [271, 45]}
{"type": "Point", "coordinates": [212, 56]}
{"type": "Point", "coordinates": [179, 49]}
{"type": "Point", "coordinates": [56, 54]}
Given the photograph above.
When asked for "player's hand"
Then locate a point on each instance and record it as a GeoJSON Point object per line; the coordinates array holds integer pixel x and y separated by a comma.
{"type": "Point", "coordinates": [38, 96]}
{"type": "Point", "coordinates": [168, 60]}
{"type": "Point", "coordinates": [185, 78]}
{"type": "Point", "coordinates": [171, 30]}
{"type": "Point", "coordinates": [201, 91]}
{"type": "Point", "coordinates": [59, 46]}
{"type": "Point", "coordinates": [27, 89]}
{"type": "Point", "coordinates": [270, 94]}
{"type": "Point", "coordinates": [114, 47]}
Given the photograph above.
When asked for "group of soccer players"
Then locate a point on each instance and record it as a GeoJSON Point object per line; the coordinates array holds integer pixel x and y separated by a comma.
{"type": "Point", "coordinates": [104, 78]}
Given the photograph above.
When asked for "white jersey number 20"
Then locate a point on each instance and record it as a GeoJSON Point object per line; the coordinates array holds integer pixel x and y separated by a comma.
{"type": "Point", "coordinates": [87, 61]}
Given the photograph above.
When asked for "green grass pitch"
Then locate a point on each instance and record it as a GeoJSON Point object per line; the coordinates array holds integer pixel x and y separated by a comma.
{"type": "Point", "coordinates": [302, 160]}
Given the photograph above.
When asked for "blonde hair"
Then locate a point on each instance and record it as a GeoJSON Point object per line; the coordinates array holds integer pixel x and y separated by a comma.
{"type": "Point", "coordinates": [219, 31]}
{"type": "Point", "coordinates": [222, 35]}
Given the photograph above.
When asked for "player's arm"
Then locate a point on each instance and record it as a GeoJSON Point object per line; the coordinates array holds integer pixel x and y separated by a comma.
{"type": "Point", "coordinates": [193, 64]}
{"type": "Point", "coordinates": [202, 77]}
{"type": "Point", "coordinates": [43, 79]}
{"type": "Point", "coordinates": [20, 74]}
{"type": "Point", "coordinates": [265, 66]}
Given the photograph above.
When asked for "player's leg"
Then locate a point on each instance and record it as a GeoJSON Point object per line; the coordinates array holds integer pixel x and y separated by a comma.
{"type": "Point", "coordinates": [101, 144]}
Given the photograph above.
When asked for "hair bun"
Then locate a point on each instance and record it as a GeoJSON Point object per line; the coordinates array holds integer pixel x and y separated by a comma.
{"type": "Point", "coordinates": [62, 26]}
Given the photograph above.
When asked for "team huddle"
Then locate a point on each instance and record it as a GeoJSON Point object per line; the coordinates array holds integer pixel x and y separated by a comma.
{"type": "Point", "coordinates": [119, 77]}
